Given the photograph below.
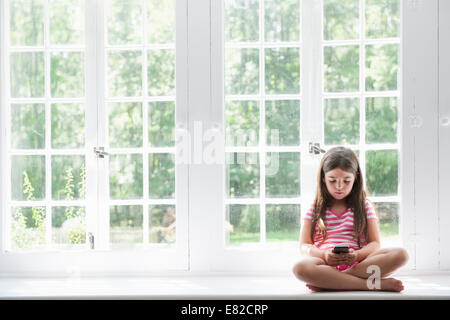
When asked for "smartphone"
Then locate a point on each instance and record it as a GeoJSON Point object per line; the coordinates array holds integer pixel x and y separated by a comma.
{"type": "Point", "coordinates": [341, 248]}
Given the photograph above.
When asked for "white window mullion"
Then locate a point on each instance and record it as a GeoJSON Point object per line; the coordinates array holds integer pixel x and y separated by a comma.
{"type": "Point", "coordinates": [48, 146]}
{"type": "Point", "coordinates": [362, 90]}
{"type": "Point", "coordinates": [145, 110]}
{"type": "Point", "coordinates": [262, 121]}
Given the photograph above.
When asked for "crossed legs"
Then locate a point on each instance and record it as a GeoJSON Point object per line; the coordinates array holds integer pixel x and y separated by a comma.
{"type": "Point", "coordinates": [318, 275]}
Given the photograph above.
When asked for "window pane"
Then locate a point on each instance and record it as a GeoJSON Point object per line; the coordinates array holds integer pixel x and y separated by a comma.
{"type": "Point", "coordinates": [282, 20]}
{"type": "Point", "coordinates": [27, 74]}
{"type": "Point", "coordinates": [241, 20]}
{"type": "Point", "coordinates": [382, 172]}
{"type": "Point", "coordinates": [341, 121]}
{"type": "Point", "coordinates": [341, 19]}
{"type": "Point", "coordinates": [282, 222]}
{"type": "Point", "coordinates": [62, 29]}
{"type": "Point", "coordinates": [242, 123]}
{"type": "Point", "coordinates": [125, 73]}
{"type": "Point", "coordinates": [162, 224]}
{"type": "Point", "coordinates": [381, 120]}
{"type": "Point", "coordinates": [26, 22]}
{"type": "Point", "coordinates": [68, 177]}
{"type": "Point", "coordinates": [161, 72]}
{"type": "Point", "coordinates": [161, 124]}
{"type": "Point", "coordinates": [382, 67]}
{"type": "Point", "coordinates": [161, 21]}
{"type": "Point", "coordinates": [125, 180]}
{"type": "Point", "coordinates": [242, 175]}
{"type": "Point", "coordinates": [68, 227]}
{"type": "Point", "coordinates": [283, 116]}
{"type": "Point", "coordinates": [241, 71]}
{"type": "Point", "coordinates": [387, 213]}
{"type": "Point", "coordinates": [125, 125]}
{"type": "Point", "coordinates": [68, 125]}
{"type": "Point", "coordinates": [382, 18]}
{"type": "Point", "coordinates": [162, 175]}
{"type": "Point", "coordinates": [27, 228]}
{"type": "Point", "coordinates": [126, 226]}
{"type": "Point", "coordinates": [28, 126]}
{"type": "Point", "coordinates": [124, 21]}
{"type": "Point", "coordinates": [28, 177]}
{"type": "Point", "coordinates": [341, 66]}
{"type": "Point", "coordinates": [283, 174]}
{"type": "Point", "coordinates": [282, 70]}
{"type": "Point", "coordinates": [67, 74]}
{"type": "Point", "coordinates": [242, 224]}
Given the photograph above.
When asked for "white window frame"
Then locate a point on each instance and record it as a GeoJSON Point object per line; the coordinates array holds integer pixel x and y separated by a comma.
{"type": "Point", "coordinates": [423, 177]}
{"type": "Point", "coordinates": [152, 257]}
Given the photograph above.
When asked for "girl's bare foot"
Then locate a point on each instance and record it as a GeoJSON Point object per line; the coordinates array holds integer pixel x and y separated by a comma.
{"type": "Point", "coordinates": [391, 284]}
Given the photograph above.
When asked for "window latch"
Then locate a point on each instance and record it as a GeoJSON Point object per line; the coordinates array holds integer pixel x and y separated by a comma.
{"type": "Point", "coordinates": [100, 152]}
{"type": "Point", "coordinates": [91, 240]}
{"type": "Point", "coordinates": [314, 148]}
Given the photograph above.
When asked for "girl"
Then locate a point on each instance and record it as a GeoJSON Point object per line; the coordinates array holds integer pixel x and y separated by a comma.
{"type": "Point", "coordinates": [341, 214]}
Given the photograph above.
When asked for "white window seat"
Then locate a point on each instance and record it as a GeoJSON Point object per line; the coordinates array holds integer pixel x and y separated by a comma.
{"type": "Point", "coordinates": [215, 287]}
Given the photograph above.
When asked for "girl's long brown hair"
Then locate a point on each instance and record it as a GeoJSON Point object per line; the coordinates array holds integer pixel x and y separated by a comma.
{"type": "Point", "coordinates": [346, 160]}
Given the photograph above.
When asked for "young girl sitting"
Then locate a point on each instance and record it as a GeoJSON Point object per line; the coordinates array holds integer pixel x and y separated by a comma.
{"type": "Point", "coordinates": [341, 214]}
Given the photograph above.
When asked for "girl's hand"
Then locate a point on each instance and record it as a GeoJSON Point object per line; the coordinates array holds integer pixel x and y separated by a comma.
{"type": "Point", "coordinates": [350, 257]}
{"type": "Point", "coordinates": [334, 259]}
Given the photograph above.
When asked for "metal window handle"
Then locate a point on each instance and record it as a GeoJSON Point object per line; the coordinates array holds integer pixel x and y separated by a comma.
{"type": "Point", "coordinates": [314, 148]}
{"type": "Point", "coordinates": [100, 152]}
{"type": "Point", "coordinates": [91, 240]}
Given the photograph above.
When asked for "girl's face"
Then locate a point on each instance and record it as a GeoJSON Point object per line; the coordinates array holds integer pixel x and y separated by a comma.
{"type": "Point", "coordinates": [339, 183]}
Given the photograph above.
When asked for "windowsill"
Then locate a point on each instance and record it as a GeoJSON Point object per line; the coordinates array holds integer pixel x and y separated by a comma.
{"type": "Point", "coordinates": [418, 285]}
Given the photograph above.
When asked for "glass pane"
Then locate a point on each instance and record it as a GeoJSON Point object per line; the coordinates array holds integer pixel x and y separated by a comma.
{"type": "Point", "coordinates": [241, 20]}
{"type": "Point", "coordinates": [27, 228]}
{"type": "Point", "coordinates": [241, 71]}
{"type": "Point", "coordinates": [126, 226]}
{"type": "Point", "coordinates": [382, 172]}
{"type": "Point", "coordinates": [242, 175]}
{"type": "Point", "coordinates": [382, 18]}
{"type": "Point", "coordinates": [283, 122]}
{"type": "Point", "coordinates": [282, 20]}
{"type": "Point", "coordinates": [341, 19]}
{"type": "Point", "coordinates": [124, 21]}
{"type": "Point", "coordinates": [162, 175]}
{"type": "Point", "coordinates": [125, 73]}
{"type": "Point", "coordinates": [242, 123]}
{"type": "Point", "coordinates": [162, 224]}
{"type": "Point", "coordinates": [341, 121]}
{"type": "Point", "coordinates": [161, 124]}
{"type": "Point", "coordinates": [125, 124]}
{"type": "Point", "coordinates": [62, 29]}
{"type": "Point", "coordinates": [125, 176]}
{"type": "Point", "coordinates": [381, 120]}
{"type": "Point", "coordinates": [68, 226]}
{"type": "Point", "coordinates": [68, 177]}
{"type": "Point", "coordinates": [27, 74]}
{"type": "Point", "coordinates": [341, 68]}
{"type": "Point", "coordinates": [67, 74]}
{"type": "Point", "coordinates": [161, 21]}
{"type": "Point", "coordinates": [68, 125]}
{"type": "Point", "coordinates": [282, 70]}
{"type": "Point", "coordinates": [382, 67]}
{"type": "Point", "coordinates": [26, 21]}
{"type": "Point", "coordinates": [283, 174]}
{"type": "Point", "coordinates": [28, 126]}
{"type": "Point", "coordinates": [387, 213]}
{"type": "Point", "coordinates": [242, 224]}
{"type": "Point", "coordinates": [282, 222]}
{"type": "Point", "coordinates": [28, 177]}
{"type": "Point", "coordinates": [161, 72]}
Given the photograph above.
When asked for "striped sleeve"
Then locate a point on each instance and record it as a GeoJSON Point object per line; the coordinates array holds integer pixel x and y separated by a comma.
{"type": "Point", "coordinates": [309, 213]}
{"type": "Point", "coordinates": [370, 211]}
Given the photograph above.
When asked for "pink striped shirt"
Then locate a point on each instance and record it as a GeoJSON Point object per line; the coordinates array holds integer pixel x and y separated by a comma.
{"type": "Point", "coordinates": [340, 228]}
